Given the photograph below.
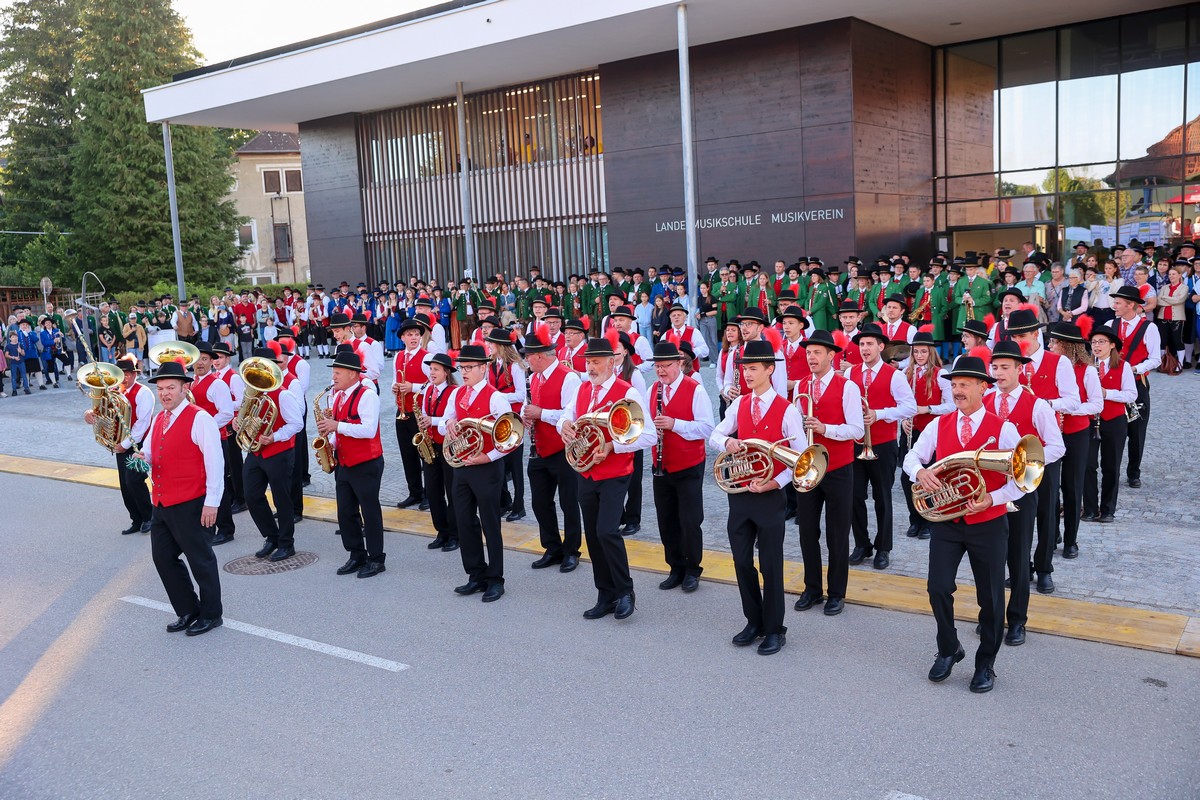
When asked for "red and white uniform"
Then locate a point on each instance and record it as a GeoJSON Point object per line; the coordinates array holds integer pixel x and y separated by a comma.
{"type": "Point", "coordinates": [591, 397]}
{"type": "Point", "coordinates": [214, 397]}
{"type": "Point", "coordinates": [1120, 387]}
{"type": "Point", "coordinates": [1052, 379]}
{"type": "Point", "coordinates": [183, 448]}
{"type": "Point", "coordinates": [475, 402]}
{"type": "Point", "coordinates": [839, 405]}
{"type": "Point", "coordinates": [688, 404]}
{"type": "Point", "coordinates": [692, 336]}
{"type": "Point", "coordinates": [888, 395]}
{"type": "Point", "coordinates": [411, 366]}
{"type": "Point", "coordinates": [1145, 356]}
{"type": "Point", "coordinates": [778, 420]}
{"type": "Point", "coordinates": [898, 331]}
{"type": "Point", "coordinates": [575, 356]}
{"type": "Point", "coordinates": [551, 391]}
{"type": "Point", "coordinates": [796, 359]}
{"type": "Point", "coordinates": [288, 422]}
{"type": "Point", "coordinates": [357, 437]}
{"type": "Point", "coordinates": [1087, 381]}
{"type": "Point", "coordinates": [936, 396]}
{"type": "Point", "coordinates": [141, 404]}
{"type": "Point", "coordinates": [434, 402]}
{"type": "Point", "coordinates": [1029, 416]}
{"type": "Point", "coordinates": [510, 382]}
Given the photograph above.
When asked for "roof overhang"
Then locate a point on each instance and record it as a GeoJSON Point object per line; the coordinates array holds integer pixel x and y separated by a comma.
{"type": "Point", "coordinates": [497, 43]}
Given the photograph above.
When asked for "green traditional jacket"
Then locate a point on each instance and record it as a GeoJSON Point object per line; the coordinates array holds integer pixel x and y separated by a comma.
{"type": "Point", "coordinates": [876, 296]}
{"type": "Point", "coordinates": [731, 296]}
{"type": "Point", "coordinates": [459, 304]}
{"type": "Point", "coordinates": [821, 305]}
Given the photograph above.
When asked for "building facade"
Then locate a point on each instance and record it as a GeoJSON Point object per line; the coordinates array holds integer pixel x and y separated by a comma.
{"type": "Point", "coordinates": [268, 191]}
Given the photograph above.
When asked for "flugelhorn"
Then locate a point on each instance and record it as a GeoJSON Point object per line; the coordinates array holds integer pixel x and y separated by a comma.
{"type": "Point", "coordinates": [258, 411]}
{"type": "Point", "coordinates": [868, 453]}
{"type": "Point", "coordinates": [623, 422]}
{"type": "Point", "coordinates": [504, 432]}
{"type": "Point", "coordinates": [962, 480]}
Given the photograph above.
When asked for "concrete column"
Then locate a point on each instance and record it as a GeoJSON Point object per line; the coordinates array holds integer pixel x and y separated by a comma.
{"type": "Point", "coordinates": [689, 162]}
{"type": "Point", "coordinates": [464, 185]}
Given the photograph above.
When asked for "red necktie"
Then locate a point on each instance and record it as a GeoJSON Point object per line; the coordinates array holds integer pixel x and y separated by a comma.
{"type": "Point", "coordinates": [535, 388]}
{"type": "Point", "coordinates": [595, 398]}
{"type": "Point", "coordinates": [756, 410]}
{"type": "Point", "coordinates": [666, 394]}
{"type": "Point", "coordinates": [816, 394]}
{"type": "Point", "coordinates": [1003, 407]}
{"type": "Point", "coordinates": [867, 376]}
{"type": "Point", "coordinates": [964, 432]}
{"type": "Point", "coordinates": [337, 406]}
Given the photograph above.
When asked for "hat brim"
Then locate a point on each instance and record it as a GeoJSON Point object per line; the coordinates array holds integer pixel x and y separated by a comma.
{"type": "Point", "coordinates": [828, 345]}
{"type": "Point", "coordinates": [962, 373]}
{"type": "Point", "coordinates": [185, 378]}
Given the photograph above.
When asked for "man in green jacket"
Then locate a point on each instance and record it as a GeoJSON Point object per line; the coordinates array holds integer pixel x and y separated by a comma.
{"type": "Point", "coordinates": [822, 302]}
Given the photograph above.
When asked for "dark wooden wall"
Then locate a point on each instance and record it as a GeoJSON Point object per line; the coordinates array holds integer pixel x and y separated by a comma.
{"type": "Point", "coordinates": [333, 205]}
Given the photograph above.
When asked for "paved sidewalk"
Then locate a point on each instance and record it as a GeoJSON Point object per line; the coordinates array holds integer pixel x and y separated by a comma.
{"type": "Point", "coordinates": [1150, 558]}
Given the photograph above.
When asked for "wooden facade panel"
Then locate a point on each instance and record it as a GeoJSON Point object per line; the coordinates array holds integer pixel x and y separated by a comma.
{"type": "Point", "coordinates": [827, 159]}
{"type": "Point", "coordinates": [877, 223]}
{"type": "Point", "coordinates": [641, 102]}
{"type": "Point", "coordinates": [915, 166]}
{"type": "Point", "coordinates": [757, 166]}
{"type": "Point", "coordinates": [650, 178]}
{"type": "Point", "coordinates": [825, 73]}
{"type": "Point", "coordinates": [754, 94]}
{"type": "Point", "coordinates": [876, 156]}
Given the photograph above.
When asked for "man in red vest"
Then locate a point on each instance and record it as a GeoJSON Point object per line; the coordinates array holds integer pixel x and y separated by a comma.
{"type": "Point", "coordinates": [221, 355]}
{"type": "Point", "coordinates": [575, 333]}
{"type": "Point", "coordinates": [478, 482]}
{"type": "Point", "coordinates": [1141, 348]}
{"type": "Point", "coordinates": [982, 532]}
{"type": "Point", "coordinates": [680, 332]}
{"type": "Point", "coordinates": [602, 488]}
{"type": "Point", "coordinates": [183, 449]}
{"type": "Point", "coordinates": [352, 427]}
{"type": "Point", "coordinates": [436, 398]}
{"type": "Point", "coordinates": [133, 483]}
{"type": "Point", "coordinates": [213, 397]}
{"type": "Point", "coordinates": [552, 387]}
{"type": "Point", "coordinates": [683, 419]}
{"type": "Point", "coordinates": [411, 371]}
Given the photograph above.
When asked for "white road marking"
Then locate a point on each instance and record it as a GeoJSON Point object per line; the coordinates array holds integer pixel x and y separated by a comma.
{"type": "Point", "coordinates": [285, 638]}
{"type": "Point", "coordinates": [894, 795]}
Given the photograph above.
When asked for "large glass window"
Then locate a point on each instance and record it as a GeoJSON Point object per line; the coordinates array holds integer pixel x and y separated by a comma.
{"type": "Point", "coordinates": [1027, 100]}
{"type": "Point", "coordinates": [1089, 62]}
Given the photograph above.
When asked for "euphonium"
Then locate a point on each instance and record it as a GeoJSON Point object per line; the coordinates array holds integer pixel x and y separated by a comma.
{"type": "Point", "coordinates": [623, 421]}
{"type": "Point", "coordinates": [735, 472]}
{"type": "Point", "coordinates": [809, 471]}
{"type": "Point", "coordinates": [183, 352]}
{"type": "Point", "coordinates": [258, 411]}
{"type": "Point", "coordinates": [505, 433]}
{"type": "Point", "coordinates": [322, 447]}
{"type": "Point", "coordinates": [962, 477]}
{"type": "Point", "coordinates": [111, 410]}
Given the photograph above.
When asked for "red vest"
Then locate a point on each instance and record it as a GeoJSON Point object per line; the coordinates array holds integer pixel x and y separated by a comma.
{"type": "Point", "coordinates": [1111, 380]}
{"type": "Point", "coordinates": [948, 444]}
{"type": "Point", "coordinates": [769, 428]}
{"type": "Point", "coordinates": [689, 336]}
{"type": "Point", "coordinates": [797, 362]}
{"type": "Point", "coordinates": [678, 453]}
{"type": "Point", "coordinates": [633, 339]}
{"type": "Point", "coordinates": [350, 450]}
{"type": "Point", "coordinates": [436, 406]}
{"type": "Point", "coordinates": [831, 412]}
{"type": "Point", "coordinates": [878, 396]}
{"type": "Point", "coordinates": [617, 464]}
{"type": "Point", "coordinates": [547, 393]}
{"type": "Point", "coordinates": [275, 448]}
{"type": "Point", "coordinates": [178, 463]}
{"type": "Point", "coordinates": [1140, 353]}
{"type": "Point", "coordinates": [1043, 383]}
{"type": "Point", "coordinates": [500, 376]}
{"type": "Point", "coordinates": [131, 395]}
{"type": "Point", "coordinates": [482, 407]}
{"type": "Point", "coordinates": [200, 389]}
{"type": "Point", "coordinates": [291, 366]}
{"type": "Point", "coordinates": [413, 374]}
{"type": "Point", "coordinates": [578, 362]}
{"type": "Point", "coordinates": [930, 395]}
{"type": "Point", "coordinates": [1074, 423]}
{"type": "Point", "coordinates": [1020, 414]}
{"type": "Point", "coordinates": [848, 356]}
{"type": "Point", "coordinates": [901, 332]}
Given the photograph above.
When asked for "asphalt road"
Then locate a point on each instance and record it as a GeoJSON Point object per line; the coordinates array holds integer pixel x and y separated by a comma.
{"type": "Point", "coordinates": [524, 698]}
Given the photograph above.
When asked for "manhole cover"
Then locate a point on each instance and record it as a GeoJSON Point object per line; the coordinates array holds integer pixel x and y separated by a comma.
{"type": "Point", "coordinates": [250, 565]}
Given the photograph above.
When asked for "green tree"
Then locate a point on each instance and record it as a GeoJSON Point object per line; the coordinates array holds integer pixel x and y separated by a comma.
{"type": "Point", "coordinates": [123, 228]}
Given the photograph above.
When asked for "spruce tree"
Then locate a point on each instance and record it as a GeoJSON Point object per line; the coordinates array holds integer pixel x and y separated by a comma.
{"type": "Point", "coordinates": [122, 218]}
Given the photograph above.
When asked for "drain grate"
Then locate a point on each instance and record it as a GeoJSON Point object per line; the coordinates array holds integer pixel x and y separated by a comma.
{"type": "Point", "coordinates": [249, 565]}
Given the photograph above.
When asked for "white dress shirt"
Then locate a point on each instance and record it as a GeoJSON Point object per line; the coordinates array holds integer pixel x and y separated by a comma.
{"type": "Point", "coordinates": [699, 346]}
{"type": "Point", "coordinates": [237, 387]}
{"type": "Point", "coordinates": [1064, 377]}
{"type": "Point", "coordinates": [437, 340]}
{"type": "Point", "coordinates": [398, 366]}
{"type": "Point", "coordinates": [497, 405]}
{"type": "Point", "coordinates": [1128, 391]}
{"type": "Point", "coordinates": [1045, 422]}
{"type": "Point", "coordinates": [570, 387]}
{"type": "Point", "coordinates": [778, 377]}
{"type": "Point", "coordinates": [902, 393]}
{"type": "Point", "coordinates": [517, 395]}
{"type": "Point", "coordinates": [368, 414]}
{"type": "Point", "coordinates": [1151, 340]}
{"type": "Point", "coordinates": [207, 437]}
{"type": "Point", "coordinates": [850, 430]}
{"type": "Point", "coordinates": [1093, 400]}
{"type": "Point", "coordinates": [947, 404]}
{"type": "Point", "coordinates": [701, 425]}
{"type": "Point", "coordinates": [648, 436]}
{"type": "Point", "coordinates": [222, 398]}
{"type": "Point", "coordinates": [291, 408]}
{"type": "Point", "coordinates": [890, 329]}
{"type": "Point", "coordinates": [372, 356]}
{"type": "Point", "coordinates": [143, 403]}
{"type": "Point", "coordinates": [645, 352]}
{"type": "Point", "coordinates": [925, 448]}
{"type": "Point", "coordinates": [303, 374]}
{"type": "Point", "coordinates": [793, 428]}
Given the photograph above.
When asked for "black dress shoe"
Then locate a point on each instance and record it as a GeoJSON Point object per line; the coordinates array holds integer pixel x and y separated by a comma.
{"type": "Point", "coordinates": [493, 593]}
{"type": "Point", "coordinates": [1135, 483]}
{"type": "Point", "coordinates": [924, 533]}
{"type": "Point", "coordinates": [266, 550]}
{"type": "Point", "coordinates": [772, 643]}
{"type": "Point", "coordinates": [237, 508]}
{"type": "Point", "coordinates": [1015, 636]}
{"type": "Point", "coordinates": [283, 552]}
{"type": "Point", "coordinates": [859, 554]}
{"type": "Point", "coordinates": [983, 681]}
{"type": "Point", "coordinates": [182, 623]}
{"type": "Point", "coordinates": [834, 606]}
{"type": "Point", "coordinates": [297, 519]}
{"type": "Point", "coordinates": [1089, 517]}
{"type": "Point", "coordinates": [912, 531]}
{"type": "Point", "coordinates": [1045, 584]}
{"type": "Point", "coordinates": [221, 538]}
{"type": "Point", "coordinates": [1071, 551]}
{"type": "Point", "coordinates": [547, 560]}
{"type": "Point", "coordinates": [204, 626]}
{"type": "Point", "coordinates": [352, 565]}
{"type": "Point", "coordinates": [569, 564]}
{"type": "Point", "coordinates": [131, 529]}
{"type": "Point", "coordinates": [423, 505]}
{"type": "Point", "coordinates": [1108, 518]}
{"type": "Point", "coordinates": [513, 516]}
{"type": "Point", "coordinates": [747, 636]}
{"type": "Point", "coordinates": [145, 528]}
{"type": "Point", "coordinates": [629, 529]}
{"type": "Point", "coordinates": [671, 582]}
{"type": "Point", "coordinates": [1008, 583]}
{"type": "Point", "coordinates": [944, 665]}
{"type": "Point", "coordinates": [408, 502]}
{"type": "Point", "coordinates": [691, 583]}
{"type": "Point", "coordinates": [371, 569]}
{"type": "Point", "coordinates": [450, 546]}
{"type": "Point", "coordinates": [625, 606]}
{"type": "Point", "coordinates": [438, 543]}
{"type": "Point", "coordinates": [471, 587]}
{"type": "Point", "coordinates": [807, 600]}
{"type": "Point", "coordinates": [882, 560]}
{"type": "Point", "coordinates": [601, 609]}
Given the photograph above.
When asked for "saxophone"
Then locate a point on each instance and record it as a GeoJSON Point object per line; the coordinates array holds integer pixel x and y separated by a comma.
{"type": "Point", "coordinates": [422, 440]}
{"type": "Point", "coordinates": [322, 447]}
{"type": "Point", "coordinates": [919, 312]}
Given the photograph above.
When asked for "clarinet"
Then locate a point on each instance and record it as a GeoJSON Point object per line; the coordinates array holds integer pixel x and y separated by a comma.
{"type": "Point", "coordinates": [533, 453]}
{"type": "Point", "coordinates": [658, 460]}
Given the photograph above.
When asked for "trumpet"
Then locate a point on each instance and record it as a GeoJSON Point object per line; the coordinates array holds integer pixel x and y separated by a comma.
{"type": "Point", "coordinates": [326, 456]}
{"type": "Point", "coordinates": [402, 414]}
{"type": "Point", "coordinates": [504, 432]}
{"type": "Point", "coordinates": [868, 453]}
{"type": "Point", "coordinates": [258, 411]}
{"type": "Point", "coordinates": [962, 480]}
{"type": "Point", "coordinates": [623, 422]}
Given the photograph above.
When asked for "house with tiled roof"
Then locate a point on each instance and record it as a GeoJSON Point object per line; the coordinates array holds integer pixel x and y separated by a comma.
{"type": "Point", "coordinates": [269, 192]}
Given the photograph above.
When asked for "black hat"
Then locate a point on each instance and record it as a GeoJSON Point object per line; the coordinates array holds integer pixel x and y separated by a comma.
{"type": "Point", "coordinates": [534, 343]}
{"type": "Point", "coordinates": [599, 347]}
{"type": "Point", "coordinates": [574, 325]}
{"type": "Point", "coordinates": [975, 327]}
{"type": "Point", "coordinates": [1010, 349]}
{"type": "Point", "coordinates": [539, 299]}
{"type": "Point", "coordinates": [758, 352]}
{"type": "Point", "coordinates": [622, 311]}
{"type": "Point", "coordinates": [204, 347]}
{"type": "Point", "coordinates": [499, 336]}
{"type": "Point", "coordinates": [793, 312]}
{"type": "Point", "coordinates": [473, 354]}
{"type": "Point", "coordinates": [1108, 333]}
{"type": "Point", "coordinates": [359, 318]}
{"type": "Point", "coordinates": [350, 360]}
{"type": "Point", "coordinates": [1067, 332]}
{"type": "Point", "coordinates": [1016, 273]}
{"type": "Point", "coordinates": [956, 267]}
{"type": "Point", "coordinates": [411, 325]}
{"type": "Point", "coordinates": [848, 307]}
{"type": "Point", "coordinates": [1128, 293]}
{"type": "Point", "coordinates": [1022, 321]}
{"type": "Point", "coordinates": [923, 337]}
{"type": "Point", "coordinates": [816, 270]}
{"type": "Point", "coordinates": [424, 302]}
{"type": "Point", "coordinates": [899, 299]}
{"type": "Point", "coordinates": [752, 314]}
{"type": "Point", "coordinates": [1011, 290]}
{"type": "Point", "coordinates": [127, 362]}
{"type": "Point", "coordinates": [871, 331]}
{"type": "Point", "coordinates": [443, 360]}
{"type": "Point", "coordinates": [553, 312]}
{"type": "Point", "coordinates": [749, 267]}
{"type": "Point", "coordinates": [733, 262]}
{"type": "Point", "coordinates": [1188, 243]}
{"type": "Point", "coordinates": [221, 349]}
{"type": "Point", "coordinates": [971, 367]}
{"type": "Point", "coordinates": [786, 294]}
{"type": "Point", "coordinates": [677, 307]}
{"type": "Point", "coordinates": [711, 260]}
{"type": "Point", "coordinates": [171, 369]}
{"type": "Point", "coordinates": [853, 260]}
{"type": "Point", "coordinates": [495, 323]}
{"type": "Point", "coordinates": [264, 352]}
{"type": "Point", "coordinates": [1084, 245]}
{"type": "Point", "coordinates": [823, 338]}
{"type": "Point", "coordinates": [344, 347]}
{"type": "Point", "coordinates": [339, 320]}
{"type": "Point", "coordinates": [424, 321]}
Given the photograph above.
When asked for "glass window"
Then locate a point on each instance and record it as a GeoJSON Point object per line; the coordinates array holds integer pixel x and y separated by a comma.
{"type": "Point", "coordinates": [1028, 100]}
{"type": "Point", "coordinates": [271, 183]}
{"type": "Point", "coordinates": [983, 212]}
{"type": "Point", "coordinates": [293, 180]}
{"type": "Point", "coordinates": [970, 108]}
{"type": "Point", "coordinates": [1030, 208]}
{"type": "Point", "coordinates": [1153, 54]}
{"type": "Point", "coordinates": [1080, 212]}
{"type": "Point", "coordinates": [974, 187]}
{"type": "Point", "coordinates": [1089, 60]}
{"type": "Point", "coordinates": [283, 241]}
{"type": "Point", "coordinates": [1025, 184]}
{"type": "Point", "coordinates": [246, 234]}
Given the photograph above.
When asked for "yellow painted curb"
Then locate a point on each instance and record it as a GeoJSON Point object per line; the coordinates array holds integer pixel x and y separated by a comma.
{"type": "Point", "coordinates": [1077, 619]}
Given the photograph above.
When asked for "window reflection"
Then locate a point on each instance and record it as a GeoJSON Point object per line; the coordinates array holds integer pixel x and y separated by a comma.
{"type": "Point", "coordinates": [1027, 100]}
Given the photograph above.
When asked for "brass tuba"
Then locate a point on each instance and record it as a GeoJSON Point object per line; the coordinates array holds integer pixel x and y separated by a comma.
{"type": "Point", "coordinates": [624, 423]}
{"type": "Point", "coordinates": [258, 411]}
{"type": "Point", "coordinates": [962, 477]}
{"type": "Point", "coordinates": [112, 411]}
{"type": "Point", "coordinates": [735, 472]}
{"type": "Point", "coordinates": [183, 352]}
{"type": "Point", "coordinates": [505, 433]}
{"type": "Point", "coordinates": [322, 447]}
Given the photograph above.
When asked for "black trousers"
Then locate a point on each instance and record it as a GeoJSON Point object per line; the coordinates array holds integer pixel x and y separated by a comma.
{"type": "Point", "coordinates": [514, 469]}
{"type": "Point", "coordinates": [300, 465]}
{"type": "Point", "coordinates": [176, 531]}
{"type": "Point", "coordinates": [1137, 431]}
{"type": "Point", "coordinates": [547, 475]}
{"type": "Point", "coordinates": [439, 489]}
{"type": "Point", "coordinates": [1020, 539]}
{"type": "Point", "coordinates": [986, 545]}
{"type": "Point", "coordinates": [406, 429]}
{"type": "Point", "coordinates": [830, 493]}
{"type": "Point", "coordinates": [1104, 456]}
{"type": "Point", "coordinates": [679, 507]}
{"type": "Point", "coordinates": [905, 484]}
{"type": "Point", "coordinates": [234, 470]}
{"type": "Point", "coordinates": [358, 511]}
{"type": "Point", "coordinates": [600, 507]}
{"type": "Point", "coordinates": [1047, 518]}
{"type": "Point", "coordinates": [880, 476]}
{"type": "Point", "coordinates": [225, 523]}
{"type": "Point", "coordinates": [276, 472]}
{"type": "Point", "coordinates": [477, 506]}
{"type": "Point", "coordinates": [1074, 465]}
{"type": "Point", "coordinates": [631, 514]}
{"type": "Point", "coordinates": [134, 491]}
{"type": "Point", "coordinates": [758, 519]}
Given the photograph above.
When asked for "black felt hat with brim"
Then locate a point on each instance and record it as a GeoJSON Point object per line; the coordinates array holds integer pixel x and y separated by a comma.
{"type": "Point", "coordinates": [171, 369]}
{"type": "Point", "coordinates": [473, 354]}
{"type": "Point", "coordinates": [1010, 349]}
{"type": "Point", "coordinates": [348, 361]}
{"type": "Point", "coordinates": [758, 352]}
{"type": "Point", "coordinates": [871, 331]}
{"type": "Point", "coordinates": [822, 338]}
{"type": "Point", "coordinates": [1022, 321]}
{"type": "Point", "coordinates": [971, 367]}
